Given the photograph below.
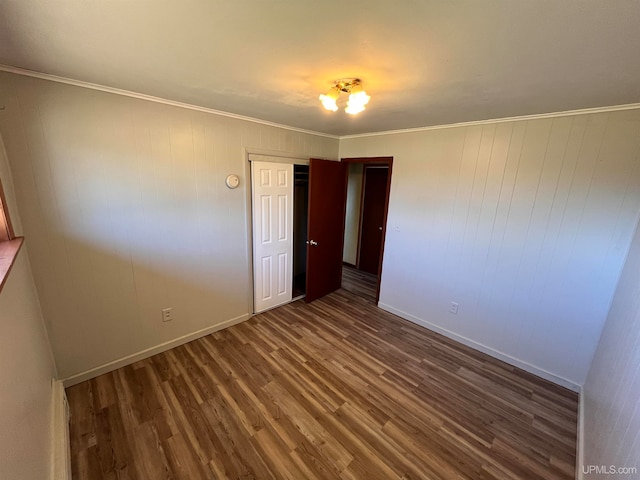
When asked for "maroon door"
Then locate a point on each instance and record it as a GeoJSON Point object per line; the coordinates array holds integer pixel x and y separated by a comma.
{"type": "Point", "coordinates": [327, 203]}
{"type": "Point", "coordinates": [373, 213]}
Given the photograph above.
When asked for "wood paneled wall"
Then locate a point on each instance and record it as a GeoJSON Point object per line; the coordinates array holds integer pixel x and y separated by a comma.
{"type": "Point", "coordinates": [26, 367]}
{"type": "Point", "coordinates": [611, 395]}
{"type": "Point", "coordinates": [526, 224]}
{"type": "Point", "coordinates": [125, 211]}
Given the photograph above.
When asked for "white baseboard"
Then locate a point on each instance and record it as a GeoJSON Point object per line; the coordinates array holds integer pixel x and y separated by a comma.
{"type": "Point", "coordinates": [149, 352]}
{"type": "Point", "coordinates": [60, 444]}
{"type": "Point", "coordinates": [580, 439]}
{"type": "Point", "coordinates": [540, 372]}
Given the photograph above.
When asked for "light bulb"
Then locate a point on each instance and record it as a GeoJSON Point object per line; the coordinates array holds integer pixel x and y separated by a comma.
{"type": "Point", "coordinates": [328, 102]}
{"type": "Point", "coordinates": [360, 97]}
{"type": "Point", "coordinates": [357, 102]}
{"type": "Point", "coordinates": [353, 109]}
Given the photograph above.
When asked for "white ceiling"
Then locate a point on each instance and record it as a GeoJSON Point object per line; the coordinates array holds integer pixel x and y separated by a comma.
{"type": "Point", "coordinates": [424, 62]}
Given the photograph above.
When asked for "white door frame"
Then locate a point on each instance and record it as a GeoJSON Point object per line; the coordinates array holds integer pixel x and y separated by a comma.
{"type": "Point", "coordinates": [259, 155]}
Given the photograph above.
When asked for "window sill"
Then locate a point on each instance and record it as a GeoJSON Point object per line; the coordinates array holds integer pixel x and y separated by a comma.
{"type": "Point", "coordinates": [8, 253]}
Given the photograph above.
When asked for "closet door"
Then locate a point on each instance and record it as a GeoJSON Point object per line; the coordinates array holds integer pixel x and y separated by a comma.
{"type": "Point", "coordinates": [272, 197]}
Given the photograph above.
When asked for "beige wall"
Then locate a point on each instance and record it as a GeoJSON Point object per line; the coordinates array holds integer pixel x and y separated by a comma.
{"type": "Point", "coordinates": [25, 379]}
{"type": "Point", "coordinates": [352, 220]}
{"type": "Point", "coordinates": [26, 368]}
{"type": "Point", "coordinates": [126, 211]}
{"type": "Point", "coordinates": [611, 395]}
{"type": "Point", "coordinates": [525, 224]}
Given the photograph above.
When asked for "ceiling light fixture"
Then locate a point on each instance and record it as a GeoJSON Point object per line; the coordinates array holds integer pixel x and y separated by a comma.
{"type": "Point", "coordinates": [358, 98]}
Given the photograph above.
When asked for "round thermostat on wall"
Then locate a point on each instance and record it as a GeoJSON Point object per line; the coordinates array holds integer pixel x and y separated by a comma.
{"type": "Point", "coordinates": [232, 181]}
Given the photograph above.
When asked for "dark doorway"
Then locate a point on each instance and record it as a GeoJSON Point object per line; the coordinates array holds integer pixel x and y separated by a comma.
{"type": "Point", "coordinates": [373, 216]}
{"type": "Point", "coordinates": [300, 225]}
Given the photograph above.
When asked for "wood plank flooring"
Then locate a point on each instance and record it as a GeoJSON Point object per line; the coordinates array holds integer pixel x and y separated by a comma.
{"type": "Point", "coordinates": [361, 283]}
{"type": "Point", "coordinates": [337, 389]}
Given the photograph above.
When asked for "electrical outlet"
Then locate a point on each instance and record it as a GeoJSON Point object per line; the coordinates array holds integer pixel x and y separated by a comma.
{"type": "Point", "coordinates": [167, 316]}
{"type": "Point", "coordinates": [453, 308]}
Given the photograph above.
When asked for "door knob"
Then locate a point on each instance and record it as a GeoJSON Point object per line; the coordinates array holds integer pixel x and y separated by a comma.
{"type": "Point", "coordinates": [312, 243]}
{"type": "Point", "coordinates": [379, 228]}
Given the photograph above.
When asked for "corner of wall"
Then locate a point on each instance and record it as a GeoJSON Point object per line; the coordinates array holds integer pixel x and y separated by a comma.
{"type": "Point", "coordinates": [60, 442]}
{"type": "Point", "coordinates": [511, 360]}
{"type": "Point", "coordinates": [149, 352]}
{"type": "Point", "coordinates": [580, 435]}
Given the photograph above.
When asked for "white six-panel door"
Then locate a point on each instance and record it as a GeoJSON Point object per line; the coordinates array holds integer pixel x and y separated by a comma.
{"type": "Point", "coordinates": [272, 197]}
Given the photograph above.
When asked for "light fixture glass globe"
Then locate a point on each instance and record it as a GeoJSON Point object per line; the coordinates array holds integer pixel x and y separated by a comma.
{"type": "Point", "coordinates": [329, 102]}
{"type": "Point", "coordinates": [353, 109]}
{"type": "Point", "coordinates": [360, 98]}
{"type": "Point", "coordinates": [330, 98]}
{"type": "Point", "coordinates": [357, 102]}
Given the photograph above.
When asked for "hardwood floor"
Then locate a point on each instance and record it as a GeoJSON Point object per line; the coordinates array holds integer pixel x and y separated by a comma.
{"type": "Point", "coordinates": [336, 389]}
{"type": "Point", "coordinates": [361, 283]}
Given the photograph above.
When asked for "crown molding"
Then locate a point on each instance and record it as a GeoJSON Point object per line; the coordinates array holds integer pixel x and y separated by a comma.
{"type": "Point", "coordinates": [150, 98]}
{"type": "Point", "coordinates": [537, 116]}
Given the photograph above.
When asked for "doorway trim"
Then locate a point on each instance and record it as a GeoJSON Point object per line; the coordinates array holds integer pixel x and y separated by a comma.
{"type": "Point", "coordinates": [376, 161]}
{"type": "Point", "coordinates": [251, 154]}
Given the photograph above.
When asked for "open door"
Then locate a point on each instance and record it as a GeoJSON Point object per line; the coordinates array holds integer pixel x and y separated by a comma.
{"type": "Point", "coordinates": [327, 203]}
{"type": "Point", "coordinates": [374, 201]}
